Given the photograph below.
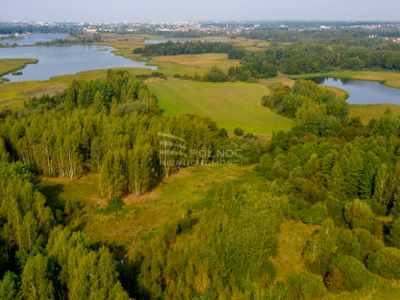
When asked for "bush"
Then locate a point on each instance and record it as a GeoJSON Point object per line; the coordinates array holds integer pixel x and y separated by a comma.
{"type": "Point", "coordinates": [353, 272]}
{"type": "Point", "coordinates": [385, 262]}
{"type": "Point", "coordinates": [359, 215]}
{"type": "Point", "coordinates": [393, 238]}
{"type": "Point", "coordinates": [115, 204]}
{"type": "Point", "coordinates": [238, 131]}
{"type": "Point", "coordinates": [305, 286]}
{"type": "Point", "coordinates": [131, 108]}
{"type": "Point", "coordinates": [315, 215]}
{"type": "Point", "coordinates": [334, 280]}
{"type": "Point", "coordinates": [223, 133]}
{"type": "Point", "coordinates": [215, 75]}
{"type": "Point", "coordinates": [321, 248]}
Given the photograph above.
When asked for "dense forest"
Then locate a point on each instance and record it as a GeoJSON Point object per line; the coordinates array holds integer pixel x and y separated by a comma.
{"type": "Point", "coordinates": [192, 47]}
{"type": "Point", "coordinates": [293, 59]}
{"type": "Point", "coordinates": [329, 171]}
{"type": "Point", "coordinates": [347, 37]}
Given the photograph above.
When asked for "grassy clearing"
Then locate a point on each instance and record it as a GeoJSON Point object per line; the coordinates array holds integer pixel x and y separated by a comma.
{"type": "Point", "coordinates": [11, 65]}
{"type": "Point", "coordinates": [388, 78]}
{"type": "Point", "coordinates": [172, 198]}
{"type": "Point", "coordinates": [292, 239]}
{"type": "Point", "coordinates": [190, 64]}
{"type": "Point", "coordinates": [231, 105]}
{"type": "Point", "coordinates": [366, 112]}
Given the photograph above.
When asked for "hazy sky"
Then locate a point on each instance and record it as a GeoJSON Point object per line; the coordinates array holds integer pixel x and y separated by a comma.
{"type": "Point", "coordinates": [172, 10]}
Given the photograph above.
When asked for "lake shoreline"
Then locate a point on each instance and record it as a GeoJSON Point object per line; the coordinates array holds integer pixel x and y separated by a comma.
{"type": "Point", "coordinates": [357, 76]}
{"type": "Point", "coordinates": [69, 59]}
{"type": "Point", "coordinates": [362, 92]}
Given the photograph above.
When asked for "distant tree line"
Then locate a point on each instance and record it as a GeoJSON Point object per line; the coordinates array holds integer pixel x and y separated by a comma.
{"type": "Point", "coordinates": [79, 39]}
{"type": "Point", "coordinates": [192, 47]}
{"type": "Point", "coordinates": [303, 58]}
{"type": "Point", "coordinates": [346, 37]}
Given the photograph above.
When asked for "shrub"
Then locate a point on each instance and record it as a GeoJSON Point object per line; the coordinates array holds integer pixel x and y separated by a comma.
{"type": "Point", "coordinates": [358, 243]}
{"type": "Point", "coordinates": [355, 275]}
{"type": "Point", "coordinates": [115, 204]}
{"type": "Point", "coordinates": [367, 243]}
{"type": "Point", "coordinates": [238, 131]}
{"type": "Point", "coordinates": [305, 286]}
{"type": "Point", "coordinates": [359, 214]}
{"type": "Point", "coordinates": [321, 248]}
{"type": "Point", "coordinates": [315, 215]}
{"type": "Point", "coordinates": [223, 133]}
{"type": "Point", "coordinates": [385, 262]}
{"type": "Point", "coordinates": [215, 75]}
{"type": "Point", "coordinates": [393, 239]}
{"type": "Point", "coordinates": [334, 280]}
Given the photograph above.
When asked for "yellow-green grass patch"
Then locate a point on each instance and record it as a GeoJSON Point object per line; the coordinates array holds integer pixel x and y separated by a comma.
{"type": "Point", "coordinates": [367, 112]}
{"type": "Point", "coordinates": [231, 105]}
{"type": "Point", "coordinates": [189, 189]}
{"type": "Point", "coordinates": [292, 239]}
{"type": "Point", "coordinates": [14, 64]}
{"type": "Point", "coordinates": [192, 63]}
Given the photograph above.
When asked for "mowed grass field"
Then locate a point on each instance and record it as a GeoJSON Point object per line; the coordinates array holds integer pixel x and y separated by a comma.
{"type": "Point", "coordinates": [231, 105]}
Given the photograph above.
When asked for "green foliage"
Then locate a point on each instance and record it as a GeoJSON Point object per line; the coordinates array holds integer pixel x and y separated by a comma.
{"type": "Point", "coordinates": [393, 238]}
{"type": "Point", "coordinates": [303, 58]}
{"type": "Point", "coordinates": [35, 279]}
{"type": "Point", "coordinates": [238, 131]}
{"type": "Point", "coordinates": [305, 287]}
{"type": "Point", "coordinates": [192, 47]}
{"type": "Point", "coordinates": [321, 248]}
{"type": "Point", "coordinates": [316, 215]}
{"type": "Point", "coordinates": [358, 243]}
{"type": "Point", "coordinates": [215, 75]}
{"type": "Point", "coordinates": [359, 214]}
{"type": "Point", "coordinates": [237, 237]}
{"type": "Point", "coordinates": [317, 110]}
{"type": "Point", "coordinates": [16, 170]}
{"type": "Point", "coordinates": [9, 287]}
{"type": "Point", "coordinates": [348, 273]}
{"type": "Point", "coordinates": [256, 70]}
{"type": "Point", "coordinates": [385, 262]}
{"type": "Point", "coordinates": [114, 205]}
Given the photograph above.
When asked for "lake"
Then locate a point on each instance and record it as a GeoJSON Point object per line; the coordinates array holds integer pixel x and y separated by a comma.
{"type": "Point", "coordinates": [363, 92]}
{"type": "Point", "coordinates": [32, 39]}
{"type": "Point", "coordinates": [182, 41]}
{"type": "Point", "coordinates": [62, 60]}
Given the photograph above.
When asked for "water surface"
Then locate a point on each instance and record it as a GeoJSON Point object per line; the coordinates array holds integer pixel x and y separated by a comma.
{"type": "Point", "coordinates": [62, 60]}
{"type": "Point", "coordinates": [32, 39]}
{"type": "Point", "coordinates": [363, 92]}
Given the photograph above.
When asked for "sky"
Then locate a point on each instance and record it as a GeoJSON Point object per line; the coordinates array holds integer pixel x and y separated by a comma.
{"type": "Point", "coordinates": [175, 10]}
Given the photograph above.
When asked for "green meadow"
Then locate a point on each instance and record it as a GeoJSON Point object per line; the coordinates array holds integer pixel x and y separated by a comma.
{"type": "Point", "coordinates": [231, 105]}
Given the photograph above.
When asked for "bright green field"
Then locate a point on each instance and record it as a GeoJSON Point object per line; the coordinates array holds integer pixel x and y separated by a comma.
{"type": "Point", "coordinates": [231, 105]}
